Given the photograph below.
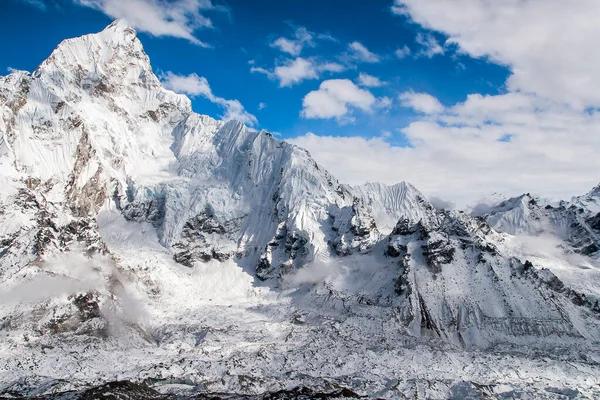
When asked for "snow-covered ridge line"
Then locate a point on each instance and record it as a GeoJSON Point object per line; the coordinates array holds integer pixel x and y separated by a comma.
{"type": "Point", "coordinates": [178, 248]}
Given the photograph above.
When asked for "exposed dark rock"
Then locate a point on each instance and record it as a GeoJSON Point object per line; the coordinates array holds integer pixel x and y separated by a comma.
{"type": "Point", "coordinates": [126, 390]}
{"type": "Point", "coordinates": [595, 222]}
{"type": "Point", "coordinates": [195, 244]}
{"type": "Point", "coordinates": [87, 304]}
{"type": "Point", "coordinates": [283, 253]}
{"type": "Point", "coordinates": [264, 269]}
{"type": "Point", "coordinates": [152, 211]}
{"type": "Point", "coordinates": [403, 228]}
{"type": "Point", "coordinates": [438, 253]}
{"type": "Point", "coordinates": [403, 286]}
{"type": "Point", "coordinates": [427, 321]}
{"type": "Point", "coordinates": [394, 250]}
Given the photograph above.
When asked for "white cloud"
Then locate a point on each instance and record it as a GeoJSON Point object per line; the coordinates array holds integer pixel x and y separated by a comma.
{"type": "Point", "coordinates": [334, 98]}
{"type": "Point", "coordinates": [431, 47]}
{"type": "Point", "coordinates": [294, 71]}
{"type": "Point", "coordinates": [549, 113]}
{"type": "Point", "coordinates": [262, 105]}
{"type": "Point", "coordinates": [358, 52]}
{"type": "Point", "coordinates": [402, 52]}
{"type": "Point", "coordinates": [457, 156]}
{"type": "Point", "coordinates": [287, 46]}
{"type": "Point", "coordinates": [176, 18]}
{"type": "Point", "coordinates": [331, 67]}
{"type": "Point", "coordinates": [548, 44]}
{"type": "Point", "coordinates": [302, 38]}
{"type": "Point", "coordinates": [194, 85]}
{"type": "Point", "coordinates": [421, 102]}
{"type": "Point", "coordinates": [369, 80]}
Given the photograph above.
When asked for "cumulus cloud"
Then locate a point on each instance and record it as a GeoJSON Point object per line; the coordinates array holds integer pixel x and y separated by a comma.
{"type": "Point", "coordinates": [291, 72]}
{"type": "Point", "coordinates": [335, 98]}
{"type": "Point", "coordinates": [457, 155]}
{"type": "Point", "coordinates": [358, 52]}
{"type": "Point", "coordinates": [459, 152]}
{"type": "Point", "coordinates": [294, 71]}
{"type": "Point", "coordinates": [547, 44]}
{"type": "Point", "coordinates": [369, 80]}
{"type": "Point", "coordinates": [422, 102]}
{"type": "Point", "coordinates": [194, 85]}
{"type": "Point", "coordinates": [176, 18]}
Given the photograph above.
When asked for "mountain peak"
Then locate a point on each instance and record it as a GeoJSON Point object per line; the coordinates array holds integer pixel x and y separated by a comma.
{"type": "Point", "coordinates": [115, 52]}
{"type": "Point", "coordinates": [119, 25]}
{"type": "Point", "coordinates": [595, 192]}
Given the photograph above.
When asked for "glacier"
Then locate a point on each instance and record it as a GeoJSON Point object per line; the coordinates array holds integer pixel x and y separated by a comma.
{"type": "Point", "coordinates": [142, 242]}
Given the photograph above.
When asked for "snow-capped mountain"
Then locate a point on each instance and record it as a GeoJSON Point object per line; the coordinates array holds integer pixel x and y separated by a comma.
{"type": "Point", "coordinates": [576, 222]}
{"type": "Point", "coordinates": [141, 241]}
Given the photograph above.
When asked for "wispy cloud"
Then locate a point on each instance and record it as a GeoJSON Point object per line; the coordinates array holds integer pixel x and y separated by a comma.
{"type": "Point", "coordinates": [39, 4]}
{"type": "Point", "coordinates": [194, 86]}
{"type": "Point", "coordinates": [294, 71]}
{"type": "Point", "coordinates": [175, 18]}
{"type": "Point", "coordinates": [359, 52]}
{"type": "Point", "coordinates": [369, 80]}
{"type": "Point", "coordinates": [403, 52]}
{"type": "Point", "coordinates": [302, 37]}
{"type": "Point", "coordinates": [430, 45]}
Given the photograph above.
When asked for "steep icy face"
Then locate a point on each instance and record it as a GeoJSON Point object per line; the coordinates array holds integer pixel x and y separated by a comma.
{"type": "Point", "coordinates": [391, 203]}
{"type": "Point", "coordinates": [519, 215]}
{"type": "Point", "coordinates": [574, 222]}
{"type": "Point", "coordinates": [92, 113]}
{"type": "Point", "coordinates": [282, 208]}
{"type": "Point", "coordinates": [93, 123]}
{"type": "Point", "coordinates": [589, 202]}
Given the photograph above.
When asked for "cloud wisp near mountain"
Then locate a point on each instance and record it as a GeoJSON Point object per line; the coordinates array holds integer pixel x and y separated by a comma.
{"type": "Point", "coordinates": [143, 242]}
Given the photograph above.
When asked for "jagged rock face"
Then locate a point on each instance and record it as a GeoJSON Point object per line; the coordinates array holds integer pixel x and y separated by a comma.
{"type": "Point", "coordinates": [137, 128]}
{"type": "Point", "coordinates": [388, 204]}
{"type": "Point", "coordinates": [202, 239]}
{"type": "Point", "coordinates": [461, 287]}
{"type": "Point", "coordinates": [256, 184]}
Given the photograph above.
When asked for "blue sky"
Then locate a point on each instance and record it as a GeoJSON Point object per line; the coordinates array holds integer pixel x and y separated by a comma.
{"type": "Point", "coordinates": [245, 32]}
{"type": "Point", "coordinates": [460, 97]}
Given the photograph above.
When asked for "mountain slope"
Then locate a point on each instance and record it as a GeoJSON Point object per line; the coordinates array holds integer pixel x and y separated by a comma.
{"type": "Point", "coordinates": [142, 241]}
